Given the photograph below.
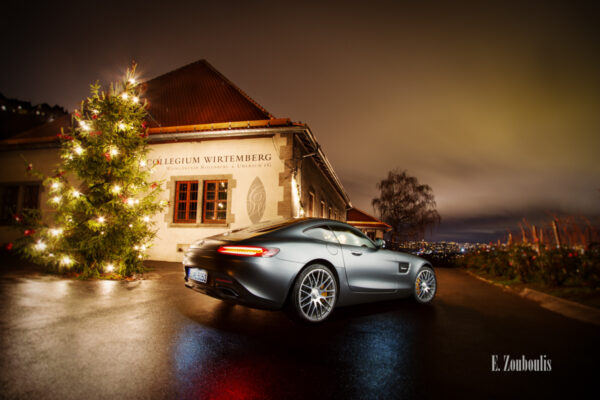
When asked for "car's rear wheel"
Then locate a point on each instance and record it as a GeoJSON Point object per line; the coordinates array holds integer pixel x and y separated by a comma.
{"type": "Point", "coordinates": [314, 293]}
{"type": "Point", "coordinates": [425, 285]}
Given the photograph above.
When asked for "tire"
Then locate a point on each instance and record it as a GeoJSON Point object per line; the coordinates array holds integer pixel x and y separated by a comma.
{"type": "Point", "coordinates": [314, 294]}
{"type": "Point", "coordinates": [425, 285]}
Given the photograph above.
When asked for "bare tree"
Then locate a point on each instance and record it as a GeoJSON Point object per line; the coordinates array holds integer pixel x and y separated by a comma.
{"type": "Point", "coordinates": [406, 205]}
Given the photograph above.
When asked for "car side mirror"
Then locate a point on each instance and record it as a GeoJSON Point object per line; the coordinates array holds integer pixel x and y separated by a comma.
{"type": "Point", "coordinates": [380, 243]}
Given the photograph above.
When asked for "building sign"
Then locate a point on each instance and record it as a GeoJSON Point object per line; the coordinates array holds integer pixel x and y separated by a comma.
{"type": "Point", "coordinates": [247, 160]}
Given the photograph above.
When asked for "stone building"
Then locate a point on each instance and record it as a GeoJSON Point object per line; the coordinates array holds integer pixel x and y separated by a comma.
{"type": "Point", "coordinates": [224, 161]}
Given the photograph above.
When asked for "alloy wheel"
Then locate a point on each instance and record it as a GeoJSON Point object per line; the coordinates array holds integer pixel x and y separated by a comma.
{"type": "Point", "coordinates": [317, 294]}
{"type": "Point", "coordinates": [425, 285]}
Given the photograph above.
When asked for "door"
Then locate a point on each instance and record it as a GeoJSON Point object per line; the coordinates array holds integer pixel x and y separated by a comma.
{"type": "Point", "coordinates": [368, 269]}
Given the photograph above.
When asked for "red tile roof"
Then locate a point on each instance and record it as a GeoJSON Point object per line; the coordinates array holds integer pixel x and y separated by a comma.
{"type": "Point", "coordinates": [198, 94]}
{"type": "Point", "coordinates": [193, 97]}
{"type": "Point", "coordinates": [361, 219]}
{"type": "Point", "coordinates": [43, 133]}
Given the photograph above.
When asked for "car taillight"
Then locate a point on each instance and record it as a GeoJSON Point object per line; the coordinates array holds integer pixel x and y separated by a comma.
{"type": "Point", "coordinates": [249, 251]}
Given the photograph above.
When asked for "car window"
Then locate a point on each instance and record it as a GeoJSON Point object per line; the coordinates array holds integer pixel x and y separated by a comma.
{"type": "Point", "coordinates": [321, 233]}
{"type": "Point", "coordinates": [351, 237]}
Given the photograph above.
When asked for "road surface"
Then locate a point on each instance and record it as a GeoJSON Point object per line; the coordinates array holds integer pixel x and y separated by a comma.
{"type": "Point", "coordinates": [153, 338]}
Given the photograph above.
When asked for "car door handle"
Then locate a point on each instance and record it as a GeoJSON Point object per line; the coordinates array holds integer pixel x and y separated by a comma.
{"type": "Point", "coordinates": [356, 253]}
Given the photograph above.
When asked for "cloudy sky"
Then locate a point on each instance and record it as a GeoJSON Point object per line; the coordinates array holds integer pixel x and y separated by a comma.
{"type": "Point", "coordinates": [495, 106]}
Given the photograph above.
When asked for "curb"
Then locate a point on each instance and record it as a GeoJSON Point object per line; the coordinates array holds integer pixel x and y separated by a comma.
{"type": "Point", "coordinates": [563, 307]}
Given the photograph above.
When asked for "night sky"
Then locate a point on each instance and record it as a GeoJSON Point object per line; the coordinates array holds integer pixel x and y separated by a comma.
{"type": "Point", "coordinates": [496, 107]}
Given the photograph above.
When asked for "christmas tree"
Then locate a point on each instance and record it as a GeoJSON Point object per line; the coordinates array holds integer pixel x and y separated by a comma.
{"type": "Point", "coordinates": [102, 193]}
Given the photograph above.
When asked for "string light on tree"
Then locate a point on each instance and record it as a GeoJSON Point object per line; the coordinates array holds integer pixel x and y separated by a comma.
{"type": "Point", "coordinates": [56, 231]}
{"type": "Point", "coordinates": [117, 192]}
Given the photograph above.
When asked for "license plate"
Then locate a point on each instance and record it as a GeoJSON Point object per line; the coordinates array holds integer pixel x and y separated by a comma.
{"type": "Point", "coordinates": [198, 275]}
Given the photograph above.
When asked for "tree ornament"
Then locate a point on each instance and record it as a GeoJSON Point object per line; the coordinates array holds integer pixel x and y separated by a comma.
{"type": "Point", "coordinates": [91, 224]}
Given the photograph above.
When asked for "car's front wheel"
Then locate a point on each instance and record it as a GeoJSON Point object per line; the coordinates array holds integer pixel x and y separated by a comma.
{"type": "Point", "coordinates": [314, 293]}
{"type": "Point", "coordinates": [425, 285]}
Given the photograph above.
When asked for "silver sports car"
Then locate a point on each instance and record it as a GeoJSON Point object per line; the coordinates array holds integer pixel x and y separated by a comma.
{"type": "Point", "coordinates": [311, 265]}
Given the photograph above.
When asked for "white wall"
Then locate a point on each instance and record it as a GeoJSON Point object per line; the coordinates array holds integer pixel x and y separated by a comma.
{"type": "Point", "coordinates": [176, 160]}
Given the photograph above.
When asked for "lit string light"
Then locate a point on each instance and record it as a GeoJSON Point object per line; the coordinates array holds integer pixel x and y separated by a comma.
{"type": "Point", "coordinates": [56, 231]}
{"type": "Point", "coordinates": [66, 260]}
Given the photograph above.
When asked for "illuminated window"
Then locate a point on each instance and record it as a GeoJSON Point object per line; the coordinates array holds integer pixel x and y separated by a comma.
{"type": "Point", "coordinates": [186, 202]}
{"type": "Point", "coordinates": [311, 204]}
{"type": "Point", "coordinates": [215, 202]}
{"type": "Point", "coordinates": [322, 210]}
{"type": "Point", "coordinates": [329, 213]}
{"type": "Point", "coordinates": [335, 215]}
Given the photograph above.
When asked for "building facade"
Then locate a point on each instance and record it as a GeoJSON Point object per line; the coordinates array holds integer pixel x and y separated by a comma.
{"type": "Point", "coordinates": [223, 161]}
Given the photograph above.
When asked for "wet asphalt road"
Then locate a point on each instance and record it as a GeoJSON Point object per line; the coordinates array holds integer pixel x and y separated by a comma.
{"type": "Point", "coordinates": [69, 339]}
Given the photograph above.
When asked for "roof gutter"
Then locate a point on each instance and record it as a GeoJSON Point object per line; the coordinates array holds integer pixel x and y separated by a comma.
{"type": "Point", "coordinates": [319, 152]}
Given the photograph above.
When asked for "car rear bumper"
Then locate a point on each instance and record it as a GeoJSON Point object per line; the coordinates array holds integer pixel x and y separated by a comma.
{"type": "Point", "coordinates": [222, 286]}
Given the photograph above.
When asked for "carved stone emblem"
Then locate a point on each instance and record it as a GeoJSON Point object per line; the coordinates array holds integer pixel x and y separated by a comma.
{"type": "Point", "coordinates": [256, 200]}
